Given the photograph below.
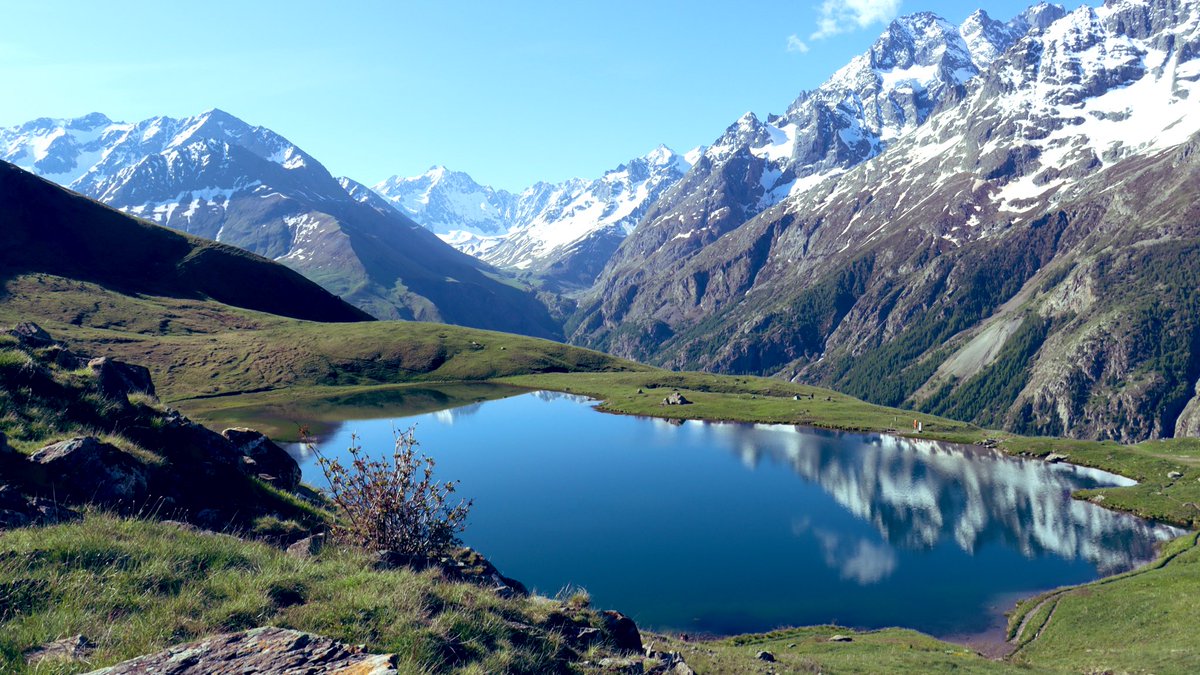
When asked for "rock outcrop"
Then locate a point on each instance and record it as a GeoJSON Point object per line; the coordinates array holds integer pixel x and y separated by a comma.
{"type": "Point", "coordinates": [263, 651]}
{"type": "Point", "coordinates": [29, 334]}
{"type": "Point", "coordinates": [132, 459]}
{"type": "Point", "coordinates": [118, 379]}
{"type": "Point", "coordinates": [261, 457]}
{"type": "Point", "coordinates": [86, 470]}
{"type": "Point", "coordinates": [463, 564]}
{"type": "Point", "coordinates": [676, 398]}
{"type": "Point", "coordinates": [18, 509]}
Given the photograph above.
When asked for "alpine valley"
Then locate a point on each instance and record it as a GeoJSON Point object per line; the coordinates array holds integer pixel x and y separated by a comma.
{"type": "Point", "coordinates": [994, 221]}
{"type": "Point", "coordinates": [685, 385]}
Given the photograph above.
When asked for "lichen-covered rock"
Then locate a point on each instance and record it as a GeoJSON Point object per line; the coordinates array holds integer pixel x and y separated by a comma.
{"type": "Point", "coordinates": [87, 470]}
{"type": "Point", "coordinates": [263, 651]}
{"type": "Point", "coordinates": [183, 441]}
{"type": "Point", "coordinates": [268, 458]}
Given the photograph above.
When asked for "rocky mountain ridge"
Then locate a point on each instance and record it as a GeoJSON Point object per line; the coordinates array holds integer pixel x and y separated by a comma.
{"type": "Point", "coordinates": [876, 99]}
{"type": "Point", "coordinates": [563, 232]}
{"type": "Point", "coordinates": [983, 265]}
{"type": "Point", "coordinates": [217, 177]}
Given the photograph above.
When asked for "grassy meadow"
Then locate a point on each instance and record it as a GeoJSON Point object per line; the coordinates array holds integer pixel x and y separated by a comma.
{"type": "Point", "coordinates": [229, 366]}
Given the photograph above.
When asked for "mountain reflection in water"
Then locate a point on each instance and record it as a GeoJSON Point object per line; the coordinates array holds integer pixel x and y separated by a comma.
{"type": "Point", "coordinates": [918, 492]}
{"type": "Point", "coordinates": [730, 528]}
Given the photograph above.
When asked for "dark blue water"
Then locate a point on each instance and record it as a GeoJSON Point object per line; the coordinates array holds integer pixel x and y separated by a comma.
{"type": "Point", "coordinates": [731, 528]}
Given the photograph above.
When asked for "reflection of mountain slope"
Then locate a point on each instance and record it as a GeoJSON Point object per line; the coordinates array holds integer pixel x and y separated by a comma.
{"type": "Point", "coordinates": [919, 493]}
{"type": "Point", "coordinates": [449, 415]}
{"type": "Point", "coordinates": [549, 396]}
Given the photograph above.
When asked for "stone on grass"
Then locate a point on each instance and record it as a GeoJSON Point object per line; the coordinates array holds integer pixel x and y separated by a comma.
{"type": "Point", "coordinates": [623, 630]}
{"type": "Point", "coordinates": [765, 656]}
{"type": "Point", "coordinates": [77, 648]}
{"type": "Point", "coordinates": [263, 651]}
{"type": "Point", "coordinates": [1174, 475]}
{"type": "Point", "coordinates": [86, 470]}
{"type": "Point", "coordinates": [29, 334]}
{"type": "Point", "coordinates": [841, 638]}
{"type": "Point", "coordinates": [18, 509]}
{"type": "Point", "coordinates": [308, 546]}
{"type": "Point", "coordinates": [676, 398]}
{"type": "Point", "coordinates": [1055, 458]}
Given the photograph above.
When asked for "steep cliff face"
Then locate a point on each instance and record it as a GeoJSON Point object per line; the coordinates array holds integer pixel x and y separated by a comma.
{"type": "Point", "coordinates": [1023, 258]}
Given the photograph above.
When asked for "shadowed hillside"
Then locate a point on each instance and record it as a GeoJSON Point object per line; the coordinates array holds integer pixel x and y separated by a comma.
{"type": "Point", "coordinates": [48, 229]}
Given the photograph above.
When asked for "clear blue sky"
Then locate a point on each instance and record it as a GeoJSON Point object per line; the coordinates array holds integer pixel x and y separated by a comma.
{"type": "Point", "coordinates": [511, 92]}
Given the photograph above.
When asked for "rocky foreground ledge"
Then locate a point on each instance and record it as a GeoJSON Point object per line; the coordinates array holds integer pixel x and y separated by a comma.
{"type": "Point", "coordinates": [264, 651]}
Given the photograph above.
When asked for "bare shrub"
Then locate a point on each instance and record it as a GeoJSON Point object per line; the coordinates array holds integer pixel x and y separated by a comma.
{"type": "Point", "coordinates": [393, 504]}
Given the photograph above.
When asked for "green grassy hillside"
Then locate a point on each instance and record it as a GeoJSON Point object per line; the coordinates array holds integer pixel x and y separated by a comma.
{"type": "Point", "coordinates": [134, 587]}
{"type": "Point", "coordinates": [52, 230]}
{"type": "Point", "coordinates": [195, 348]}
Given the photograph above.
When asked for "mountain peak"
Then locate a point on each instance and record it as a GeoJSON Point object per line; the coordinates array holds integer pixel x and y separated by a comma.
{"type": "Point", "coordinates": [660, 155]}
{"type": "Point", "coordinates": [90, 121]}
{"type": "Point", "coordinates": [218, 115]}
{"type": "Point", "coordinates": [979, 16]}
{"type": "Point", "coordinates": [1041, 15]}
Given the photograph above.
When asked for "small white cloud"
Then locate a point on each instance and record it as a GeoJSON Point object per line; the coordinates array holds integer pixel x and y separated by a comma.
{"type": "Point", "coordinates": [796, 45]}
{"type": "Point", "coordinates": [843, 16]}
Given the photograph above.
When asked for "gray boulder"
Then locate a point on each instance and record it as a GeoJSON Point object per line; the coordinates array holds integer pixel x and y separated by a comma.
{"type": "Point", "coordinates": [676, 398]}
{"type": "Point", "coordinates": [264, 651]}
{"type": "Point", "coordinates": [89, 471]}
{"type": "Point", "coordinates": [308, 546]}
{"type": "Point", "coordinates": [267, 458]}
{"type": "Point", "coordinates": [77, 648]}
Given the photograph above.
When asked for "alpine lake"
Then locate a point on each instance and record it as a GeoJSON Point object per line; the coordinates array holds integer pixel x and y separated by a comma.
{"type": "Point", "coordinates": [723, 528]}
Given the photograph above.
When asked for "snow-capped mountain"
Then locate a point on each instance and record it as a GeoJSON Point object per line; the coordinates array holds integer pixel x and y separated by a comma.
{"type": "Point", "coordinates": [1021, 253]}
{"type": "Point", "coordinates": [218, 177]}
{"type": "Point", "coordinates": [880, 96]}
{"type": "Point", "coordinates": [450, 203]}
{"type": "Point", "coordinates": [564, 231]}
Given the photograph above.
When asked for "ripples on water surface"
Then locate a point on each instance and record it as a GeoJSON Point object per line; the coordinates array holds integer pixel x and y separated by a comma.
{"type": "Point", "coordinates": [731, 528]}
